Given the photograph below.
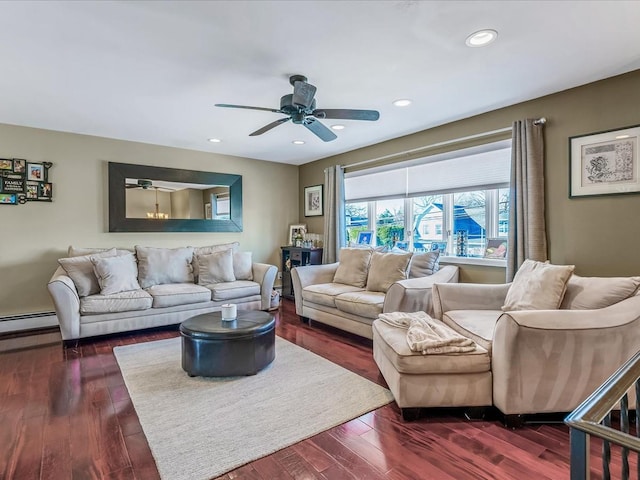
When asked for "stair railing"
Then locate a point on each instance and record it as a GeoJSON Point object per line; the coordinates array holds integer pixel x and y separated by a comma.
{"type": "Point", "coordinates": [592, 418]}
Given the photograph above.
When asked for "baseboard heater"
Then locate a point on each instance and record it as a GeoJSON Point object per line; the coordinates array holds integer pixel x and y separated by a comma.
{"type": "Point", "coordinates": [28, 322]}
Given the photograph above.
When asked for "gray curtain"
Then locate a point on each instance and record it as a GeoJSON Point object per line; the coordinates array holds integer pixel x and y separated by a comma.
{"type": "Point", "coordinates": [334, 215]}
{"type": "Point", "coordinates": [527, 230]}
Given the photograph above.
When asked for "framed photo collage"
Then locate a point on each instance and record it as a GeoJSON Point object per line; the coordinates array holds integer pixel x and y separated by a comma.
{"type": "Point", "coordinates": [22, 181]}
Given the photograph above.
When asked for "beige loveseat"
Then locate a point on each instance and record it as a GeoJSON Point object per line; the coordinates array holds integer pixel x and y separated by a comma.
{"type": "Point", "coordinates": [530, 357]}
{"type": "Point", "coordinates": [351, 293]}
{"type": "Point", "coordinates": [101, 291]}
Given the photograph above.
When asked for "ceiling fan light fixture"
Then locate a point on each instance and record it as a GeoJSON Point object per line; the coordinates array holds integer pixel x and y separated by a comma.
{"type": "Point", "coordinates": [337, 127]}
{"type": "Point", "coordinates": [215, 140]}
{"type": "Point", "coordinates": [481, 38]}
{"type": "Point", "coordinates": [402, 102]}
{"type": "Point", "coordinates": [298, 142]}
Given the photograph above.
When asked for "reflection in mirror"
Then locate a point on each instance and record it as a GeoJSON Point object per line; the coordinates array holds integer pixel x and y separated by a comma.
{"type": "Point", "coordinates": [159, 199]}
{"type": "Point", "coordinates": [162, 200]}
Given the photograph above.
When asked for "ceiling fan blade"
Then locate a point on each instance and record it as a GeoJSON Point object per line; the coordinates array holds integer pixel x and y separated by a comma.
{"type": "Point", "coordinates": [303, 94]}
{"type": "Point", "coordinates": [347, 114]}
{"type": "Point", "coordinates": [226, 105]}
{"type": "Point", "coordinates": [266, 128]}
{"type": "Point", "coordinates": [319, 129]}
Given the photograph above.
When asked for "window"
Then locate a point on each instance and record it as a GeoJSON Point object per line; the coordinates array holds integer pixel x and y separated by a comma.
{"type": "Point", "coordinates": [415, 204]}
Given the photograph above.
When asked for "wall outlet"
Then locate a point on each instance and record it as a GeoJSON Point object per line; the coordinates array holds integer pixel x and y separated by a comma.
{"type": "Point", "coordinates": [279, 275]}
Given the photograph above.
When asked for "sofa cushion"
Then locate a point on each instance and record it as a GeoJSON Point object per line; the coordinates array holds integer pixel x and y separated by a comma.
{"type": "Point", "coordinates": [363, 303]}
{"type": "Point", "coordinates": [117, 302]}
{"type": "Point", "coordinates": [80, 270]}
{"type": "Point", "coordinates": [385, 269]}
{"type": "Point", "coordinates": [478, 325]}
{"type": "Point", "coordinates": [393, 343]}
{"type": "Point", "coordinates": [116, 274]}
{"type": "Point", "coordinates": [243, 265]}
{"type": "Point", "coordinates": [171, 294]}
{"type": "Point", "coordinates": [325, 293]}
{"type": "Point", "coordinates": [588, 293]}
{"type": "Point", "coordinates": [157, 266]}
{"type": "Point", "coordinates": [424, 264]}
{"type": "Point", "coordinates": [216, 267]}
{"type": "Point", "coordinates": [538, 286]}
{"type": "Point", "coordinates": [206, 250]}
{"type": "Point", "coordinates": [231, 290]}
{"type": "Point", "coordinates": [353, 267]}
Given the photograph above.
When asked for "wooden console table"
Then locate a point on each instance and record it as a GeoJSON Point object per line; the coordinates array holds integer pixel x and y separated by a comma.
{"type": "Point", "coordinates": [296, 257]}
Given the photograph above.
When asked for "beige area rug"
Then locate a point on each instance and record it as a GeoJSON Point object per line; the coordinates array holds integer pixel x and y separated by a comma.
{"type": "Point", "coordinates": [200, 428]}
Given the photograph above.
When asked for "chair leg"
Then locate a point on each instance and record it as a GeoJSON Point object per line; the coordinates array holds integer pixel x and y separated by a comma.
{"type": "Point", "coordinates": [410, 414]}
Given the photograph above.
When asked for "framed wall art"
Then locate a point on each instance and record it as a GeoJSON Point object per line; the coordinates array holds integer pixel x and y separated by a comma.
{"type": "Point", "coordinates": [313, 201]}
{"type": "Point", "coordinates": [22, 181]}
{"type": "Point", "coordinates": [604, 163]}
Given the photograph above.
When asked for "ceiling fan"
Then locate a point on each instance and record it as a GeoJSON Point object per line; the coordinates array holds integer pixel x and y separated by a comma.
{"type": "Point", "coordinates": [145, 184]}
{"type": "Point", "coordinates": [300, 108]}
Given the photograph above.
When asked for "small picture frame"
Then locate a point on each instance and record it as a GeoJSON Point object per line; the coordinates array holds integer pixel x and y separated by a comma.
{"type": "Point", "coordinates": [6, 164]}
{"type": "Point", "coordinates": [496, 248]}
{"type": "Point", "coordinates": [365, 237]}
{"type": "Point", "coordinates": [295, 231]}
{"type": "Point", "coordinates": [8, 199]}
{"type": "Point", "coordinates": [604, 163]}
{"type": "Point", "coordinates": [439, 247]}
{"type": "Point", "coordinates": [32, 190]}
{"type": "Point", "coordinates": [45, 191]}
{"type": "Point", "coordinates": [19, 165]}
{"type": "Point", "coordinates": [36, 172]}
{"type": "Point", "coordinates": [313, 201]}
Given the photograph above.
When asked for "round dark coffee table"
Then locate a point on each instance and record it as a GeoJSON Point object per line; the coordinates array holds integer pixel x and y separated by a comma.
{"type": "Point", "coordinates": [215, 348]}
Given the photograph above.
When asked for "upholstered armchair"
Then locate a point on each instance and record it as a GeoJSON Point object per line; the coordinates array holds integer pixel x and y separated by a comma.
{"type": "Point", "coordinates": [547, 360]}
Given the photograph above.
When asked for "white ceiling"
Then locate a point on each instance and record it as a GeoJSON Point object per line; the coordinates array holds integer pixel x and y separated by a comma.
{"type": "Point", "coordinates": [151, 71]}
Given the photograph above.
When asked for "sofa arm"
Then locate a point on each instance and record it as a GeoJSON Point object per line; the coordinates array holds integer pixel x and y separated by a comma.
{"type": "Point", "coordinates": [67, 304]}
{"type": "Point", "coordinates": [414, 294]}
{"type": "Point", "coordinates": [310, 275]}
{"type": "Point", "coordinates": [265, 275]}
{"type": "Point", "coordinates": [468, 296]}
{"type": "Point", "coordinates": [551, 360]}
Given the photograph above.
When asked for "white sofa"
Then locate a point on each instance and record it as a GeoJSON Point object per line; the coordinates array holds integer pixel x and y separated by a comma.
{"type": "Point", "coordinates": [543, 346]}
{"type": "Point", "coordinates": [351, 293]}
{"type": "Point", "coordinates": [102, 291]}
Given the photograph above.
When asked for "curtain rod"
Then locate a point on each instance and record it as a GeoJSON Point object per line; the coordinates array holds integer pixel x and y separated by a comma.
{"type": "Point", "coordinates": [539, 121]}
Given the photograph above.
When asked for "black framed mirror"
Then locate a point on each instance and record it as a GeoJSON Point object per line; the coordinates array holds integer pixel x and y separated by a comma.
{"type": "Point", "coordinates": [158, 199]}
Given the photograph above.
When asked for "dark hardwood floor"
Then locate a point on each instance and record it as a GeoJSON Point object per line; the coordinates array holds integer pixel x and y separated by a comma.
{"type": "Point", "coordinates": [66, 414]}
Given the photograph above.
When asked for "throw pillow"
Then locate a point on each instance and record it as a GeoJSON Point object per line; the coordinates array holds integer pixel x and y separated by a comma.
{"type": "Point", "coordinates": [158, 266]}
{"type": "Point", "coordinates": [538, 286]}
{"type": "Point", "coordinates": [215, 267]}
{"type": "Point", "coordinates": [424, 264]}
{"type": "Point", "coordinates": [80, 251]}
{"type": "Point", "coordinates": [386, 269]}
{"type": "Point", "coordinates": [242, 266]}
{"type": "Point", "coordinates": [353, 267]}
{"type": "Point", "coordinates": [116, 274]}
{"type": "Point", "coordinates": [211, 249]}
{"type": "Point", "coordinates": [590, 293]}
{"type": "Point", "coordinates": [80, 270]}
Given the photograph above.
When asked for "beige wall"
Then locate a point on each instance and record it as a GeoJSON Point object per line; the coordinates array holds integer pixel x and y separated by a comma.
{"type": "Point", "coordinates": [600, 235]}
{"type": "Point", "coordinates": [35, 235]}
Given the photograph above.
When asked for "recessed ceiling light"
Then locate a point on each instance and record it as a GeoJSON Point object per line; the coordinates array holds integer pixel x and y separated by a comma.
{"type": "Point", "coordinates": [337, 127]}
{"type": "Point", "coordinates": [298, 142]}
{"type": "Point", "coordinates": [402, 102]}
{"type": "Point", "coordinates": [215, 140]}
{"type": "Point", "coordinates": [481, 38]}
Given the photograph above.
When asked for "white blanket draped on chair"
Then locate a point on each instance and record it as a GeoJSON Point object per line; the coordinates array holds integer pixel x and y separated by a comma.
{"type": "Point", "coordinates": [428, 335]}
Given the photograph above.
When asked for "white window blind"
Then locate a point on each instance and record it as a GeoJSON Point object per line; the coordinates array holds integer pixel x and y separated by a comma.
{"type": "Point", "coordinates": [477, 168]}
